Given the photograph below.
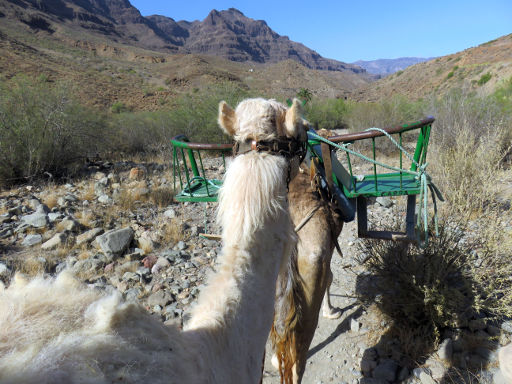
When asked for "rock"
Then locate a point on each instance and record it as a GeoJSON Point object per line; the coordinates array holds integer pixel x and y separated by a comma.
{"type": "Point", "coordinates": [355, 326]}
{"type": "Point", "coordinates": [105, 199]}
{"type": "Point", "coordinates": [149, 261]}
{"type": "Point", "coordinates": [31, 240]}
{"type": "Point", "coordinates": [56, 241]}
{"type": "Point", "coordinates": [386, 370]}
{"type": "Point", "coordinates": [445, 351]}
{"type": "Point", "coordinates": [36, 219]}
{"type": "Point", "coordinates": [88, 236]}
{"type": "Point", "coordinates": [131, 277]}
{"type": "Point", "coordinates": [505, 358]}
{"type": "Point", "coordinates": [71, 198]}
{"type": "Point", "coordinates": [137, 173]}
{"type": "Point", "coordinates": [367, 366]}
{"type": "Point", "coordinates": [132, 294]}
{"type": "Point", "coordinates": [115, 241]}
{"type": "Point", "coordinates": [146, 243]}
{"type": "Point", "coordinates": [5, 233]}
{"type": "Point", "coordinates": [170, 213]}
{"type": "Point", "coordinates": [16, 211]}
{"type": "Point", "coordinates": [54, 216]}
{"type": "Point", "coordinates": [162, 263]}
{"type": "Point", "coordinates": [181, 245]}
{"type": "Point", "coordinates": [5, 218]}
{"type": "Point", "coordinates": [425, 378]}
{"type": "Point", "coordinates": [384, 201]}
{"type": "Point", "coordinates": [436, 368]}
{"type": "Point", "coordinates": [507, 326]}
{"type": "Point", "coordinates": [5, 272]}
{"type": "Point", "coordinates": [87, 267]}
{"type": "Point", "coordinates": [70, 224]}
{"type": "Point", "coordinates": [161, 298]}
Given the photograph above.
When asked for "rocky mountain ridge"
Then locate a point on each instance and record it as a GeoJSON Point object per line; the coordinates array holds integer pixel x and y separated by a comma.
{"type": "Point", "coordinates": [385, 67]}
{"type": "Point", "coordinates": [229, 33]}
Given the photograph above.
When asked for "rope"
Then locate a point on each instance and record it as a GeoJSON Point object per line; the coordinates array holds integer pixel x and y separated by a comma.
{"type": "Point", "coordinates": [426, 182]}
{"type": "Point", "coordinates": [306, 219]}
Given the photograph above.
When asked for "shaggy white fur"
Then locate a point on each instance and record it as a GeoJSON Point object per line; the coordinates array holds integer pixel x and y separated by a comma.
{"type": "Point", "coordinates": [58, 331]}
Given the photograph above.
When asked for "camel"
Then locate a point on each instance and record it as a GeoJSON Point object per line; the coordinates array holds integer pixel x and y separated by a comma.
{"type": "Point", "coordinates": [305, 284]}
{"type": "Point", "coordinates": [56, 330]}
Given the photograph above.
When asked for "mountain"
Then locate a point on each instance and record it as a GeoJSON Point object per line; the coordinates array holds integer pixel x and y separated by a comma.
{"type": "Point", "coordinates": [232, 35]}
{"type": "Point", "coordinates": [478, 69]}
{"type": "Point", "coordinates": [385, 67]}
{"type": "Point", "coordinates": [229, 34]}
{"type": "Point", "coordinates": [112, 54]}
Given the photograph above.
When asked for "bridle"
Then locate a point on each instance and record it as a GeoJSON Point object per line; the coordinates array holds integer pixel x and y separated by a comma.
{"type": "Point", "coordinates": [282, 146]}
{"type": "Point", "coordinates": [287, 147]}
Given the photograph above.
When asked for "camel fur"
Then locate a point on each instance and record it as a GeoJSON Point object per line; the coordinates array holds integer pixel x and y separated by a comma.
{"type": "Point", "coordinates": [56, 330]}
{"type": "Point", "coordinates": [305, 284]}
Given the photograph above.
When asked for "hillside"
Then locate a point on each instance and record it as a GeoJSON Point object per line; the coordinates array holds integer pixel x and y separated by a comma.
{"type": "Point", "coordinates": [228, 34]}
{"type": "Point", "coordinates": [98, 50]}
{"type": "Point", "coordinates": [480, 69]}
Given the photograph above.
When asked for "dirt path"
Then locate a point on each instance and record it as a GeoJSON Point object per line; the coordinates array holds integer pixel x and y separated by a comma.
{"type": "Point", "coordinates": [336, 350]}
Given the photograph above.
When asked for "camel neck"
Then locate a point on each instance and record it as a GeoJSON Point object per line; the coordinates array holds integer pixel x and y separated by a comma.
{"type": "Point", "coordinates": [236, 309]}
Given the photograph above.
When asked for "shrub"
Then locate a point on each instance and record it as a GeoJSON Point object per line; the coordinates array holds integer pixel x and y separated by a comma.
{"type": "Point", "coordinates": [484, 79]}
{"type": "Point", "coordinates": [458, 277]}
{"type": "Point", "coordinates": [119, 107]}
{"type": "Point", "coordinates": [43, 129]}
{"type": "Point", "coordinates": [305, 94]}
{"type": "Point", "coordinates": [327, 113]}
{"type": "Point", "coordinates": [449, 75]}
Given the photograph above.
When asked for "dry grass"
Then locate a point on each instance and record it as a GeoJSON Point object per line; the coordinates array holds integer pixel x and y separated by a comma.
{"type": "Point", "coordinates": [85, 217]}
{"type": "Point", "coordinates": [35, 263]}
{"type": "Point", "coordinates": [50, 200]}
{"type": "Point", "coordinates": [88, 193]}
{"type": "Point", "coordinates": [172, 232]}
{"type": "Point", "coordinates": [162, 197]}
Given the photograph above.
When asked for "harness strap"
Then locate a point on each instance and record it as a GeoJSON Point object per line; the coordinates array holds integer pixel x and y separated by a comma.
{"type": "Point", "coordinates": [286, 147]}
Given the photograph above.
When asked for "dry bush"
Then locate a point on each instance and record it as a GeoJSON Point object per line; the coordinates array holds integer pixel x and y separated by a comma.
{"type": "Point", "coordinates": [35, 263]}
{"type": "Point", "coordinates": [50, 200]}
{"type": "Point", "coordinates": [89, 194]}
{"type": "Point", "coordinates": [162, 197]}
{"type": "Point", "coordinates": [172, 232]}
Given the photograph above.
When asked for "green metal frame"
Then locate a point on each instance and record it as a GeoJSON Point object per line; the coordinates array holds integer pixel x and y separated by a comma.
{"type": "Point", "coordinates": [376, 184]}
{"type": "Point", "coordinates": [382, 184]}
{"type": "Point", "coordinates": [188, 169]}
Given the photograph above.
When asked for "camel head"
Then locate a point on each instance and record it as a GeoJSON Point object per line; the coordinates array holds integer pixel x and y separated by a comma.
{"type": "Point", "coordinates": [263, 120]}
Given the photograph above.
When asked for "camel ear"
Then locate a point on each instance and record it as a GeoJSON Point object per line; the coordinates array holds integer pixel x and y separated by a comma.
{"type": "Point", "coordinates": [293, 117]}
{"type": "Point", "coordinates": [227, 118]}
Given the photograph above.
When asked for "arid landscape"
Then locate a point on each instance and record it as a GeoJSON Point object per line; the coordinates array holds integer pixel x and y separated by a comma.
{"type": "Point", "coordinates": [91, 93]}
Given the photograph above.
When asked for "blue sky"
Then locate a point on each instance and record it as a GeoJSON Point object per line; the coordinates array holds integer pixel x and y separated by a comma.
{"type": "Point", "coordinates": [366, 30]}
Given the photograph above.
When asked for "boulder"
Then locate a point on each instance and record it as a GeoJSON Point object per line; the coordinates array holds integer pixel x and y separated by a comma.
{"type": "Point", "coordinates": [36, 219]}
{"type": "Point", "coordinates": [88, 236]}
{"type": "Point", "coordinates": [115, 241]}
{"type": "Point", "coordinates": [31, 240]}
{"type": "Point", "coordinates": [55, 242]}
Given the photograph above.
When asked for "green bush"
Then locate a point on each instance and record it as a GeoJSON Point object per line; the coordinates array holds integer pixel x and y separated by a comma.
{"type": "Point", "coordinates": [484, 79]}
{"type": "Point", "coordinates": [326, 113]}
{"type": "Point", "coordinates": [119, 107]}
{"type": "Point", "coordinates": [42, 129]}
{"type": "Point", "coordinates": [193, 114]}
{"type": "Point", "coordinates": [449, 75]}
